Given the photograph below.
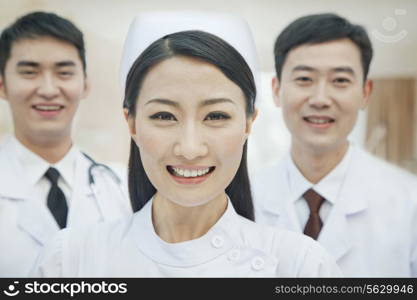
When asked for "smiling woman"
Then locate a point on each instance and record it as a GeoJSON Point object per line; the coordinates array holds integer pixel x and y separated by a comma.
{"type": "Point", "coordinates": [189, 104]}
{"type": "Point", "coordinates": [184, 113]}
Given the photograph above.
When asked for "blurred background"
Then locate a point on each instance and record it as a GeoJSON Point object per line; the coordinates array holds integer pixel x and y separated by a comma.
{"type": "Point", "coordinates": [388, 128]}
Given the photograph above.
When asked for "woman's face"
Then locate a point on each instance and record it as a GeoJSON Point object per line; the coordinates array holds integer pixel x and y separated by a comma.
{"type": "Point", "coordinates": [190, 127]}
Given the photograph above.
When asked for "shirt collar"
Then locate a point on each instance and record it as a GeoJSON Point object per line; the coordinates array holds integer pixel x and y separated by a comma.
{"type": "Point", "coordinates": [35, 166]}
{"type": "Point", "coordinates": [328, 187]}
{"type": "Point", "coordinates": [66, 166]}
{"type": "Point", "coordinates": [332, 183]}
{"type": "Point", "coordinates": [215, 242]}
{"type": "Point", "coordinates": [298, 184]}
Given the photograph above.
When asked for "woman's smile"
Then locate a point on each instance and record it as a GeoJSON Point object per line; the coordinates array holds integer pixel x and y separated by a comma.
{"type": "Point", "coordinates": [190, 174]}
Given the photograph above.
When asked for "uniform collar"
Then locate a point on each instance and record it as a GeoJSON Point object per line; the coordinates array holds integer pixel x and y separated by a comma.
{"type": "Point", "coordinates": [35, 167]}
{"type": "Point", "coordinates": [217, 241]}
{"type": "Point", "coordinates": [328, 187]}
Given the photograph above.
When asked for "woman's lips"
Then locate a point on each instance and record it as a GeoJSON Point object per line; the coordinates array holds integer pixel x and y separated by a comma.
{"type": "Point", "coordinates": [190, 175]}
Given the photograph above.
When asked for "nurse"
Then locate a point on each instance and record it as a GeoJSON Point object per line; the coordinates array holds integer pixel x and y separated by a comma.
{"type": "Point", "coordinates": [44, 177]}
{"type": "Point", "coordinates": [189, 105]}
{"type": "Point", "coordinates": [361, 209]}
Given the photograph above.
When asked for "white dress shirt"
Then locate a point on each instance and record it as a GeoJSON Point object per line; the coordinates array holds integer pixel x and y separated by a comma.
{"type": "Point", "coordinates": [328, 187]}
{"type": "Point", "coordinates": [36, 167]}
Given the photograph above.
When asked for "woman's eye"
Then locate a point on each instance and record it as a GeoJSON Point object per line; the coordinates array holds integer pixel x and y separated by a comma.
{"type": "Point", "coordinates": [163, 116]}
{"type": "Point", "coordinates": [215, 116]}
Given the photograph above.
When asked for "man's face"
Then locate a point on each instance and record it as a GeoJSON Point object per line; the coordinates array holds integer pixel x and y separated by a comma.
{"type": "Point", "coordinates": [43, 83]}
{"type": "Point", "coordinates": [321, 91]}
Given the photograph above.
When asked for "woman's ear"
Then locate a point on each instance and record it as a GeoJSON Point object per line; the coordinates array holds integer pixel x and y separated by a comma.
{"type": "Point", "coordinates": [2, 88]}
{"type": "Point", "coordinates": [130, 122]}
{"type": "Point", "coordinates": [250, 120]}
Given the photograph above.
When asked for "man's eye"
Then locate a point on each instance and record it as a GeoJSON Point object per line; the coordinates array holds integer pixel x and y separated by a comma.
{"type": "Point", "coordinates": [303, 79]}
{"type": "Point", "coordinates": [215, 116]}
{"type": "Point", "coordinates": [27, 72]}
{"type": "Point", "coordinates": [163, 116]}
{"type": "Point", "coordinates": [341, 80]}
{"type": "Point", "coordinates": [66, 74]}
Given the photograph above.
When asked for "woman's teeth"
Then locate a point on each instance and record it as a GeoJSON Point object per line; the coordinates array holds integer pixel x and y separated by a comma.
{"type": "Point", "coordinates": [189, 173]}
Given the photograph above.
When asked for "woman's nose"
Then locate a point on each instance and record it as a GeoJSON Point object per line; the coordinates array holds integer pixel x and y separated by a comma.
{"type": "Point", "coordinates": [191, 143]}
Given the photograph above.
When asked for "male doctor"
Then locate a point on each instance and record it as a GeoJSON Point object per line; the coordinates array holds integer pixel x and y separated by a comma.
{"type": "Point", "coordinates": [44, 181]}
{"type": "Point", "coordinates": [361, 209]}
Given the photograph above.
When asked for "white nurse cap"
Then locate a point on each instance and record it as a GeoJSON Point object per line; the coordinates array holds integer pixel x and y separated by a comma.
{"type": "Point", "coordinates": [149, 27]}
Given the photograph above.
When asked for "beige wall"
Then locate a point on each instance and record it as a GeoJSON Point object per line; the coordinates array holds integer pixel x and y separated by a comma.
{"type": "Point", "coordinates": [100, 128]}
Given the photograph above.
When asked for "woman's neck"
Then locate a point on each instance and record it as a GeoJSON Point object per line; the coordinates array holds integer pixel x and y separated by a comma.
{"type": "Point", "coordinates": [175, 223]}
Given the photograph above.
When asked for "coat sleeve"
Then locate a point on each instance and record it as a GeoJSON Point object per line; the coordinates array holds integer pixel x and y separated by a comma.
{"type": "Point", "coordinates": [317, 263]}
{"type": "Point", "coordinates": [50, 261]}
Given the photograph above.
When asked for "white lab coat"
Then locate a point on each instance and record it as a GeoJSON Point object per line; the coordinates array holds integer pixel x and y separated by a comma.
{"type": "Point", "coordinates": [233, 247]}
{"type": "Point", "coordinates": [26, 225]}
{"type": "Point", "coordinates": [372, 229]}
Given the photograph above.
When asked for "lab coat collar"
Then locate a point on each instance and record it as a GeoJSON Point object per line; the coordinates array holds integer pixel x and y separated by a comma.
{"type": "Point", "coordinates": [13, 182]}
{"type": "Point", "coordinates": [33, 217]}
{"type": "Point", "coordinates": [297, 183]}
{"type": "Point", "coordinates": [281, 196]}
{"type": "Point", "coordinates": [67, 166]}
{"type": "Point", "coordinates": [36, 219]}
{"type": "Point", "coordinates": [22, 169]}
{"type": "Point", "coordinates": [329, 187]}
{"type": "Point", "coordinates": [215, 242]}
{"type": "Point", "coordinates": [34, 165]}
{"type": "Point", "coordinates": [275, 199]}
{"type": "Point", "coordinates": [335, 236]}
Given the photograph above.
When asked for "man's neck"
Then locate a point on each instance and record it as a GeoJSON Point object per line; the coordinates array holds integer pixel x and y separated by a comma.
{"type": "Point", "coordinates": [315, 165]}
{"type": "Point", "coordinates": [50, 150]}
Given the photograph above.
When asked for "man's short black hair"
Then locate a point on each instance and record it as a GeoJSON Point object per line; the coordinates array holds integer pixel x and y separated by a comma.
{"type": "Point", "coordinates": [40, 24]}
{"type": "Point", "coordinates": [320, 28]}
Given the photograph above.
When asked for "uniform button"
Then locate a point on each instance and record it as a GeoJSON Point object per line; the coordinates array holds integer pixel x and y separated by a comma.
{"type": "Point", "coordinates": [258, 263]}
{"type": "Point", "coordinates": [217, 241]}
{"type": "Point", "coordinates": [234, 254]}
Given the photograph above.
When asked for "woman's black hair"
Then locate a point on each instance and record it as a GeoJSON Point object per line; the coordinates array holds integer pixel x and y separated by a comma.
{"type": "Point", "coordinates": [209, 48]}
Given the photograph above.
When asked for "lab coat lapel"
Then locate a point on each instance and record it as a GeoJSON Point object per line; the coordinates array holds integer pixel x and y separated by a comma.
{"type": "Point", "coordinates": [33, 217]}
{"type": "Point", "coordinates": [36, 220]}
{"type": "Point", "coordinates": [279, 200]}
{"type": "Point", "coordinates": [335, 235]}
{"type": "Point", "coordinates": [11, 176]}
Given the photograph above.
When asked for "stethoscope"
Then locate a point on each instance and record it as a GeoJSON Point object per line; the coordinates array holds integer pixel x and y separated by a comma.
{"type": "Point", "coordinates": [95, 164]}
{"type": "Point", "coordinates": [92, 182]}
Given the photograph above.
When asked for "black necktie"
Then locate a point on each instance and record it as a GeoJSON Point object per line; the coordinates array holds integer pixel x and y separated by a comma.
{"type": "Point", "coordinates": [314, 223]}
{"type": "Point", "coordinates": [56, 202]}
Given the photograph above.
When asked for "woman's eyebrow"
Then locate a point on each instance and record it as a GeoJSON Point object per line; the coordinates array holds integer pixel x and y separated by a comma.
{"type": "Point", "coordinates": [204, 103]}
{"type": "Point", "coordinates": [163, 101]}
{"type": "Point", "coordinates": [215, 101]}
